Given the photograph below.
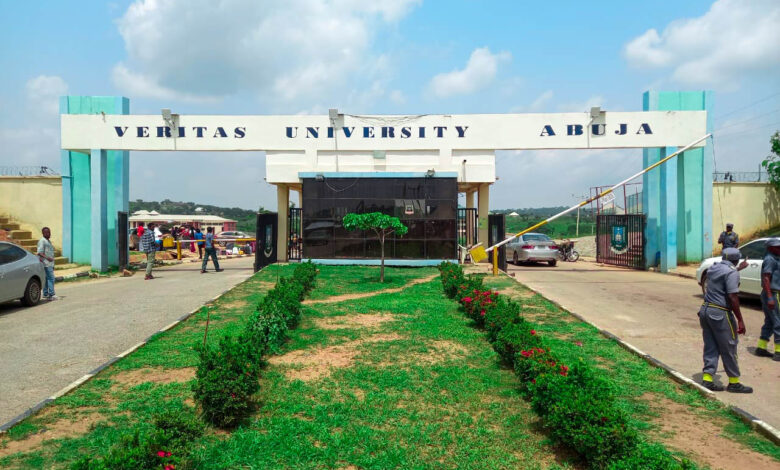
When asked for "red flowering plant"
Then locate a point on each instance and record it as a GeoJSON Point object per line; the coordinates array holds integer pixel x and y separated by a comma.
{"type": "Point", "coordinates": [503, 313]}
{"type": "Point", "coordinates": [515, 337]}
{"type": "Point", "coordinates": [479, 303]}
{"type": "Point", "coordinates": [533, 363]}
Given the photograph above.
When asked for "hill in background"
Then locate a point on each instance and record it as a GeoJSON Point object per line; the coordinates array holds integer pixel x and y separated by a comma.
{"type": "Point", "coordinates": [246, 220]}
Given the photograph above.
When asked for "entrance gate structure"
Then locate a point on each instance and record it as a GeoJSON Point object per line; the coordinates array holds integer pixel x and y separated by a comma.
{"type": "Point", "coordinates": [97, 134]}
{"type": "Point", "coordinates": [620, 240]}
{"type": "Point", "coordinates": [295, 234]}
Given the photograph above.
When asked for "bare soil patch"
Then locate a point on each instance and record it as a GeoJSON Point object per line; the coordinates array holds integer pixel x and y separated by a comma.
{"type": "Point", "coordinates": [135, 377]}
{"type": "Point", "coordinates": [234, 304]}
{"type": "Point", "coordinates": [59, 429]}
{"type": "Point", "coordinates": [340, 298]}
{"type": "Point", "coordinates": [364, 320]}
{"type": "Point", "coordinates": [319, 363]}
{"type": "Point", "coordinates": [701, 437]}
{"type": "Point", "coordinates": [438, 351]}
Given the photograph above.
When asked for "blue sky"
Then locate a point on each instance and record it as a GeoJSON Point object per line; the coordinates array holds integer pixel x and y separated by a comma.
{"type": "Point", "coordinates": [404, 56]}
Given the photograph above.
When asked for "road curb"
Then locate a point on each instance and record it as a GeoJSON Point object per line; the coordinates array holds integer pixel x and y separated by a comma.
{"type": "Point", "coordinates": [754, 422]}
{"type": "Point", "coordinates": [85, 378]}
{"type": "Point", "coordinates": [71, 276]}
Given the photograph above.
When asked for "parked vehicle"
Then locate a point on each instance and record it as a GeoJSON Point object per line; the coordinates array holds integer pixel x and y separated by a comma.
{"type": "Point", "coordinates": [567, 251]}
{"type": "Point", "coordinates": [533, 247]}
{"type": "Point", "coordinates": [233, 234]}
{"type": "Point", "coordinates": [21, 275]}
{"type": "Point", "coordinates": [750, 277]}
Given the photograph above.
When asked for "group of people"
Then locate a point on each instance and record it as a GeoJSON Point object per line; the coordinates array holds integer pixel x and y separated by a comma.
{"type": "Point", "coordinates": [150, 243]}
{"type": "Point", "coordinates": [720, 311]}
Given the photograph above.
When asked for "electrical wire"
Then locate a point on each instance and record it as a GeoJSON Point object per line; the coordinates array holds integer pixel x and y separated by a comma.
{"type": "Point", "coordinates": [747, 120]}
{"type": "Point", "coordinates": [766, 98]}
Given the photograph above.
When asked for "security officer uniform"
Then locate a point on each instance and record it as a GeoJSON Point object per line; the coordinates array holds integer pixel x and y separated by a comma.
{"type": "Point", "coordinates": [771, 265]}
{"type": "Point", "coordinates": [719, 327]}
{"type": "Point", "coordinates": [729, 239]}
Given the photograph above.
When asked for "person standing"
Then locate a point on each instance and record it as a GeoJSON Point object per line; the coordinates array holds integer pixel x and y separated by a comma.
{"type": "Point", "coordinates": [211, 250]}
{"type": "Point", "coordinates": [770, 300]}
{"type": "Point", "coordinates": [149, 246]}
{"type": "Point", "coordinates": [729, 238]}
{"type": "Point", "coordinates": [45, 253]}
{"type": "Point", "coordinates": [157, 236]}
{"type": "Point", "coordinates": [199, 236]}
{"type": "Point", "coordinates": [716, 317]}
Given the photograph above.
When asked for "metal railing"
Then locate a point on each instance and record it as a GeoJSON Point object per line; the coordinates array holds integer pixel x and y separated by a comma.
{"type": "Point", "coordinates": [27, 171]}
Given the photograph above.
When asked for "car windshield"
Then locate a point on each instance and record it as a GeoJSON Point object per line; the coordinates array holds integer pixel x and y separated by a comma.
{"type": "Point", "coordinates": [754, 250]}
{"type": "Point", "coordinates": [536, 238]}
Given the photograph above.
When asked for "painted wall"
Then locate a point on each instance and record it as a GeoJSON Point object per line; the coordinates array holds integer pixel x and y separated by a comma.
{"type": "Point", "coordinates": [751, 207]}
{"type": "Point", "coordinates": [33, 202]}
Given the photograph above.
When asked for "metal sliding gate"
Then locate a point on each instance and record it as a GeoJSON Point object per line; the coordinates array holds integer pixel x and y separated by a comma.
{"type": "Point", "coordinates": [294, 235]}
{"type": "Point", "coordinates": [620, 240]}
{"type": "Point", "coordinates": [467, 227]}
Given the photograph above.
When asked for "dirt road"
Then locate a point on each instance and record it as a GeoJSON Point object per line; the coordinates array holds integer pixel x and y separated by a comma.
{"type": "Point", "coordinates": [657, 314]}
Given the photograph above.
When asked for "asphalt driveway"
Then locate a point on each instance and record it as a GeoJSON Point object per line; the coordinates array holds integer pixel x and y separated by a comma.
{"type": "Point", "coordinates": [45, 348]}
{"type": "Point", "coordinates": [657, 313]}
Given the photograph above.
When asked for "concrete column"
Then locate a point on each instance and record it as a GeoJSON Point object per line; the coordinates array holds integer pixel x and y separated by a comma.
{"type": "Point", "coordinates": [651, 205]}
{"type": "Point", "coordinates": [67, 196]}
{"type": "Point", "coordinates": [283, 208]}
{"type": "Point", "coordinates": [482, 213]}
{"type": "Point", "coordinates": [98, 185]}
{"type": "Point", "coordinates": [668, 212]}
{"type": "Point", "coordinates": [470, 199]}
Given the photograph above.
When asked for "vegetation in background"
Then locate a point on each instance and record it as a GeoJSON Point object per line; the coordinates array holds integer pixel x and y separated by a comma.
{"type": "Point", "coordinates": [772, 161]}
{"type": "Point", "coordinates": [563, 227]}
{"type": "Point", "coordinates": [246, 220]}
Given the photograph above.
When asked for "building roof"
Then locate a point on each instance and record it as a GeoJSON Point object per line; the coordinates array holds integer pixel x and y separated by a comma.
{"type": "Point", "coordinates": [144, 216]}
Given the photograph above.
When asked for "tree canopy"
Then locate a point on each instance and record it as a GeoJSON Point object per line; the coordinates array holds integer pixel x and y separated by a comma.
{"type": "Point", "coordinates": [375, 221]}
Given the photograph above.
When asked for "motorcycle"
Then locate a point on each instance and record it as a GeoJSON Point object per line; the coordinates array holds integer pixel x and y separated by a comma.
{"type": "Point", "coordinates": [567, 251]}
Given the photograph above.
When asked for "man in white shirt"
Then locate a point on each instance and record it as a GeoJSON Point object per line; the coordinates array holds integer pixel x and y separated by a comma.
{"type": "Point", "coordinates": [158, 237]}
{"type": "Point", "coordinates": [45, 253]}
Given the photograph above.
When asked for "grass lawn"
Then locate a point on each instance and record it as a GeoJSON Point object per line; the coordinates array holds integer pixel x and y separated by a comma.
{"type": "Point", "coordinates": [399, 379]}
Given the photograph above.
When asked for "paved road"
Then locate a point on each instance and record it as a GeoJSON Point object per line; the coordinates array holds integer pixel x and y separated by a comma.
{"type": "Point", "coordinates": [45, 348]}
{"type": "Point", "coordinates": [657, 314]}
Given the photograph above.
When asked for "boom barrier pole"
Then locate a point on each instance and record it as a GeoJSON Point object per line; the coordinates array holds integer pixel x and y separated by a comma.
{"type": "Point", "coordinates": [588, 201]}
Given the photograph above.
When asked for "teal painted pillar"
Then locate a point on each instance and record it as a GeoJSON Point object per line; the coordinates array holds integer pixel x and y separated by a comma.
{"type": "Point", "coordinates": [694, 176]}
{"type": "Point", "coordinates": [77, 191]}
{"type": "Point", "coordinates": [668, 213]}
{"type": "Point", "coordinates": [651, 205]}
{"type": "Point", "coordinates": [99, 219]}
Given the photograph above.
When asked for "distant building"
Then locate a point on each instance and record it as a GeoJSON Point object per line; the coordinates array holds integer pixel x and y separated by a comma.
{"type": "Point", "coordinates": [513, 214]}
{"type": "Point", "coordinates": [202, 222]}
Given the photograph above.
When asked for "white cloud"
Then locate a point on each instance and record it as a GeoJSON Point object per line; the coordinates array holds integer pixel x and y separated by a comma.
{"type": "Point", "coordinates": [397, 97]}
{"type": "Point", "coordinates": [44, 93]}
{"type": "Point", "coordinates": [282, 50]}
{"type": "Point", "coordinates": [732, 40]}
{"type": "Point", "coordinates": [578, 106]}
{"type": "Point", "coordinates": [479, 72]}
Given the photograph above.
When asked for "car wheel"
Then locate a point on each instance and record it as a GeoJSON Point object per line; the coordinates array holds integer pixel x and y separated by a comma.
{"type": "Point", "coordinates": [515, 261]}
{"type": "Point", "coordinates": [552, 262]}
{"type": "Point", "coordinates": [32, 293]}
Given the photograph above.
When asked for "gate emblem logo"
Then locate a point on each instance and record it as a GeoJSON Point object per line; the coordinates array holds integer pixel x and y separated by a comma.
{"type": "Point", "coordinates": [618, 244]}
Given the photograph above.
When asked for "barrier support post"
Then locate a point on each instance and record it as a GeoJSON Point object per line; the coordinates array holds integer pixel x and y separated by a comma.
{"type": "Point", "coordinates": [495, 262]}
{"type": "Point", "coordinates": [178, 250]}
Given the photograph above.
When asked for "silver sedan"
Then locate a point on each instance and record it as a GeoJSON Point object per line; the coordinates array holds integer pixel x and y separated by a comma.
{"type": "Point", "coordinates": [533, 247]}
{"type": "Point", "coordinates": [21, 275]}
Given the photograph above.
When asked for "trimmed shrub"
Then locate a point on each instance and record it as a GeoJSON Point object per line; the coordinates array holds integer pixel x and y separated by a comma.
{"type": "Point", "coordinates": [162, 447]}
{"type": "Point", "coordinates": [499, 317]}
{"type": "Point", "coordinates": [227, 379]}
{"type": "Point", "coordinates": [654, 456]}
{"type": "Point", "coordinates": [579, 409]}
{"type": "Point", "coordinates": [478, 303]}
{"type": "Point", "coordinates": [532, 363]}
{"type": "Point", "coordinates": [306, 275]}
{"type": "Point", "coordinates": [515, 337]}
{"type": "Point", "coordinates": [267, 327]}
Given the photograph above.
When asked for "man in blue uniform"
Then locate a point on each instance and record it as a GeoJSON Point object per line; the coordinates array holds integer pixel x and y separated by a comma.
{"type": "Point", "coordinates": [770, 300]}
{"type": "Point", "coordinates": [729, 238]}
{"type": "Point", "coordinates": [719, 328]}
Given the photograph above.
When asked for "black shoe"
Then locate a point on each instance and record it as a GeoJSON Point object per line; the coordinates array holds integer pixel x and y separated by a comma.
{"type": "Point", "coordinates": [776, 357]}
{"type": "Point", "coordinates": [739, 388]}
{"type": "Point", "coordinates": [712, 386]}
{"type": "Point", "coordinates": [219, 270]}
{"type": "Point", "coordinates": [761, 352]}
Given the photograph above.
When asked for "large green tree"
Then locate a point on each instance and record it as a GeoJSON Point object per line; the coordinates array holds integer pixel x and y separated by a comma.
{"type": "Point", "coordinates": [382, 224]}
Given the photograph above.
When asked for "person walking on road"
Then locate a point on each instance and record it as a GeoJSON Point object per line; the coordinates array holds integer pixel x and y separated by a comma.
{"type": "Point", "coordinates": [770, 300]}
{"type": "Point", "coordinates": [199, 236]}
{"type": "Point", "coordinates": [45, 253]}
{"type": "Point", "coordinates": [149, 246]}
{"type": "Point", "coordinates": [716, 317]}
{"type": "Point", "coordinates": [211, 250]}
{"type": "Point", "coordinates": [729, 238]}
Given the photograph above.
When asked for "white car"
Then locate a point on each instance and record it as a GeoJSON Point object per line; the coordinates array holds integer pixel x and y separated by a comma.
{"type": "Point", "coordinates": [533, 247]}
{"type": "Point", "coordinates": [21, 275]}
{"type": "Point", "coordinates": [750, 277]}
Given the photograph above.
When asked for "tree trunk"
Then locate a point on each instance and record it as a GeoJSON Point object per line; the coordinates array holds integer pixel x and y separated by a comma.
{"type": "Point", "coordinates": [382, 268]}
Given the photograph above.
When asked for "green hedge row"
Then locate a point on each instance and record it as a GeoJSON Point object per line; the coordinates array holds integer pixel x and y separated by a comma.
{"type": "Point", "coordinates": [227, 381]}
{"type": "Point", "coordinates": [577, 404]}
